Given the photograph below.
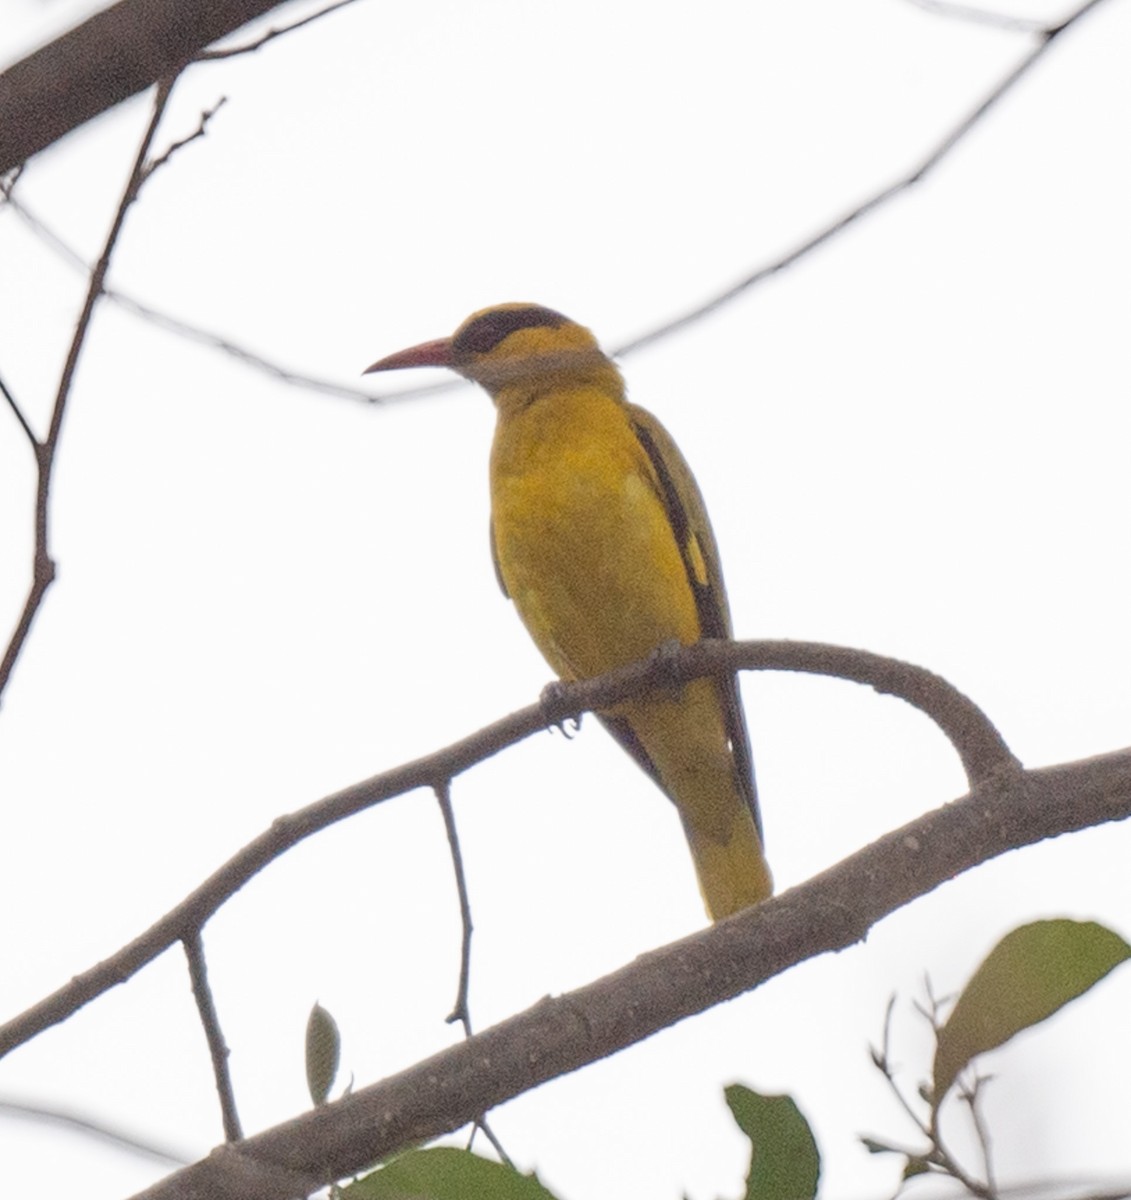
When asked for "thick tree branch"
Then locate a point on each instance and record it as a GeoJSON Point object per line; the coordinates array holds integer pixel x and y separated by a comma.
{"type": "Point", "coordinates": [559, 1035]}
{"type": "Point", "coordinates": [978, 743]}
{"type": "Point", "coordinates": [983, 752]}
{"type": "Point", "coordinates": [115, 54]}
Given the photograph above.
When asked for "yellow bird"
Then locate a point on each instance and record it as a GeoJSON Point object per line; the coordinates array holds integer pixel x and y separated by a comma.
{"type": "Point", "coordinates": [601, 538]}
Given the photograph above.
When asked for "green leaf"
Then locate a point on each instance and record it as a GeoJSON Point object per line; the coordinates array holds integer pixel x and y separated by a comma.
{"type": "Point", "coordinates": [1029, 975]}
{"type": "Point", "coordinates": [323, 1044]}
{"type": "Point", "coordinates": [784, 1161]}
{"type": "Point", "coordinates": [445, 1173]}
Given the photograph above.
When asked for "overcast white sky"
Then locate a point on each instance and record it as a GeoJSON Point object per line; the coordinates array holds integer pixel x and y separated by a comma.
{"type": "Point", "coordinates": [914, 441]}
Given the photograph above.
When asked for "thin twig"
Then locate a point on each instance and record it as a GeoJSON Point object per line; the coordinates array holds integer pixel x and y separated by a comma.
{"type": "Point", "coordinates": [972, 1097]}
{"type": "Point", "coordinates": [24, 423]}
{"type": "Point", "coordinates": [8, 181]}
{"type": "Point", "coordinates": [757, 276]}
{"type": "Point", "coordinates": [269, 36]}
{"type": "Point", "coordinates": [199, 132]}
{"type": "Point", "coordinates": [980, 16]}
{"type": "Point", "coordinates": [884, 1065]}
{"type": "Point", "coordinates": [259, 362]}
{"type": "Point", "coordinates": [936, 1157]}
{"type": "Point", "coordinates": [940, 1156]}
{"type": "Point", "coordinates": [983, 752]}
{"type": "Point", "coordinates": [43, 566]}
{"type": "Point", "coordinates": [460, 1012]}
{"type": "Point", "coordinates": [481, 1125]}
{"type": "Point", "coordinates": [217, 1047]}
{"type": "Point", "coordinates": [96, 1129]}
{"type": "Point", "coordinates": [217, 341]}
{"type": "Point", "coordinates": [943, 1161]}
{"type": "Point", "coordinates": [932, 1010]}
{"type": "Point", "coordinates": [564, 1033]}
{"type": "Point", "coordinates": [925, 166]}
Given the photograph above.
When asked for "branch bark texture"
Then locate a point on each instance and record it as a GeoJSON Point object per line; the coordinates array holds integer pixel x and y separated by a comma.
{"type": "Point", "coordinates": [115, 54]}
{"type": "Point", "coordinates": [558, 1035]}
{"type": "Point", "coordinates": [981, 748]}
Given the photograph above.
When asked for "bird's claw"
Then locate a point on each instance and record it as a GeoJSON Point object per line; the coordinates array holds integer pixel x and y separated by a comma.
{"type": "Point", "coordinates": [555, 698]}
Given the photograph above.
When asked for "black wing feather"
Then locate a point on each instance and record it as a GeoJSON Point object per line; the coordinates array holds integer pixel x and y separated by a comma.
{"type": "Point", "coordinates": [688, 516]}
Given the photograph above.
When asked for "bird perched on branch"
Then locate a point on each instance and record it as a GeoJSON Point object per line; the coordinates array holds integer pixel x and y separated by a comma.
{"type": "Point", "coordinates": [601, 538]}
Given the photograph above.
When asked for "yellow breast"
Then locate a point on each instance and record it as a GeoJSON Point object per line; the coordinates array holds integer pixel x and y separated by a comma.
{"type": "Point", "coordinates": [583, 542]}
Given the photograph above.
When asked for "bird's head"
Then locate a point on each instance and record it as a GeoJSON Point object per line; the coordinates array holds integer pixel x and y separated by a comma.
{"type": "Point", "coordinates": [514, 349]}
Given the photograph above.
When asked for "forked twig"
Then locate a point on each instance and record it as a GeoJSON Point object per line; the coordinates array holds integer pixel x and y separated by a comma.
{"type": "Point", "coordinates": [983, 752]}
{"type": "Point", "coordinates": [43, 565]}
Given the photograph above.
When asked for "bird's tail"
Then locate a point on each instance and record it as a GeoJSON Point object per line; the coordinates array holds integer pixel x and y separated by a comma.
{"type": "Point", "coordinates": [682, 741]}
{"type": "Point", "coordinates": [732, 869]}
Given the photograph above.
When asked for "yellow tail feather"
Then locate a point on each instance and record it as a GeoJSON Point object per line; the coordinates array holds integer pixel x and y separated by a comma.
{"type": "Point", "coordinates": [732, 874]}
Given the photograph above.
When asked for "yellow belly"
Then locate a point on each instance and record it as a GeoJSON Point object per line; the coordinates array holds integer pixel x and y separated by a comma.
{"type": "Point", "coordinates": [583, 542]}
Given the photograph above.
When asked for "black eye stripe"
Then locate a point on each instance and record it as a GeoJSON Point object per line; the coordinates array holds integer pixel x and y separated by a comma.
{"type": "Point", "coordinates": [487, 331]}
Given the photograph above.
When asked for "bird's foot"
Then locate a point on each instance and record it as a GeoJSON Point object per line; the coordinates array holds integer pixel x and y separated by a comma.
{"type": "Point", "coordinates": [556, 708]}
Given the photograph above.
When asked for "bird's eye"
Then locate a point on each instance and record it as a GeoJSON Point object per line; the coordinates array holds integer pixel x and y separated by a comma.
{"type": "Point", "coordinates": [485, 332]}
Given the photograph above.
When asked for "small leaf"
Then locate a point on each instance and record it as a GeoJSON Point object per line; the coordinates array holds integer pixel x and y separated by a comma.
{"type": "Point", "coordinates": [445, 1173]}
{"type": "Point", "coordinates": [323, 1045]}
{"type": "Point", "coordinates": [1029, 975]}
{"type": "Point", "coordinates": [784, 1159]}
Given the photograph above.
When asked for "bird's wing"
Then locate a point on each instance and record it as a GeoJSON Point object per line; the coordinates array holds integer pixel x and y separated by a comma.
{"type": "Point", "coordinates": [683, 503]}
{"type": "Point", "coordinates": [622, 730]}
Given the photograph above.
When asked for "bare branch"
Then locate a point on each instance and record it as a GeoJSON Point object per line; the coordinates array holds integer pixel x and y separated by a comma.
{"type": "Point", "coordinates": [97, 1129]}
{"type": "Point", "coordinates": [562, 1034]}
{"type": "Point", "coordinates": [980, 16]}
{"type": "Point", "coordinates": [880, 198]}
{"type": "Point", "coordinates": [117, 53]}
{"type": "Point", "coordinates": [217, 1046]}
{"type": "Point", "coordinates": [981, 748]}
{"type": "Point", "coordinates": [886, 1067]}
{"type": "Point", "coordinates": [482, 1126]}
{"type": "Point", "coordinates": [199, 132]}
{"type": "Point", "coordinates": [24, 423]}
{"type": "Point", "coordinates": [250, 358]}
{"type": "Point", "coordinates": [979, 745]}
{"type": "Point", "coordinates": [973, 1097]}
{"type": "Point", "coordinates": [461, 1012]}
{"type": "Point", "coordinates": [43, 566]}
{"type": "Point", "coordinates": [270, 35]}
{"type": "Point", "coordinates": [757, 276]}
{"type": "Point", "coordinates": [215, 341]}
